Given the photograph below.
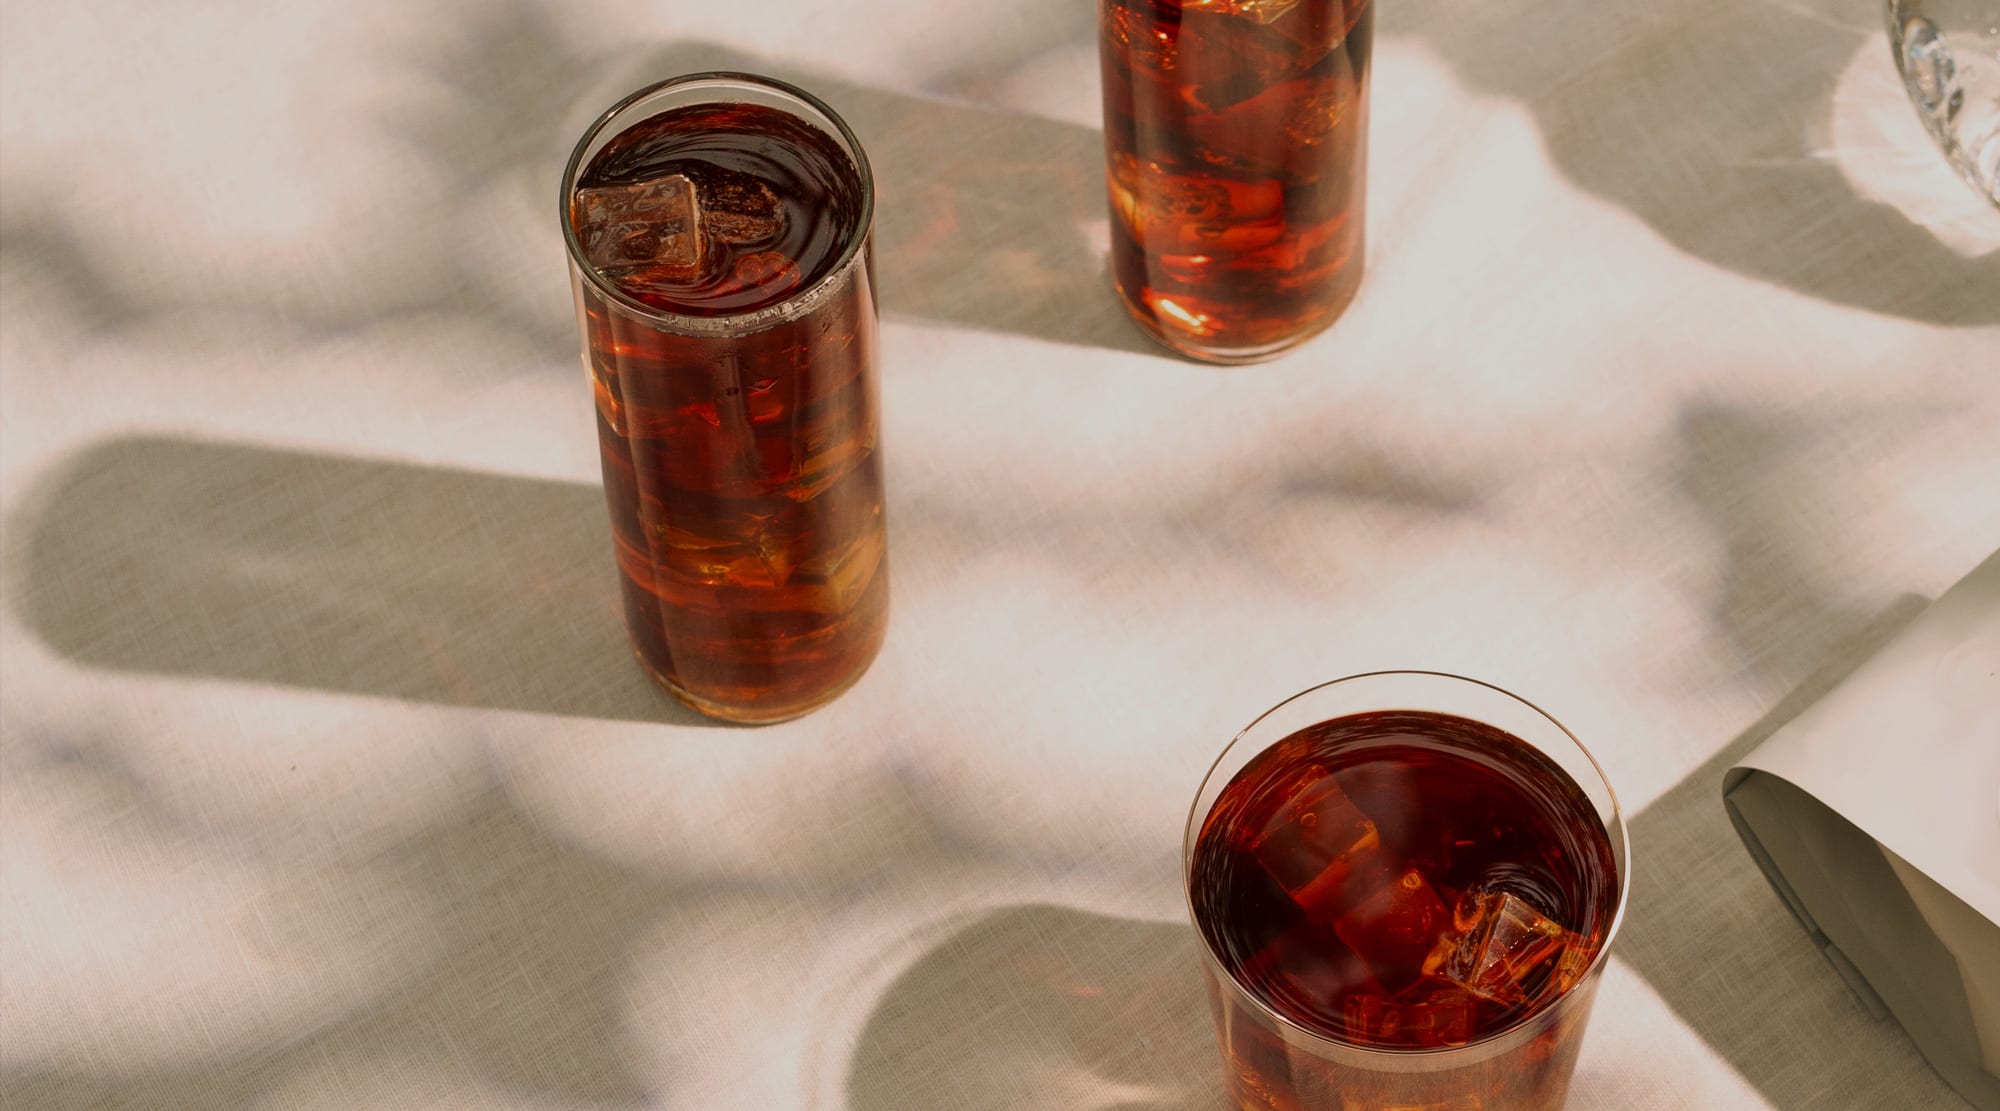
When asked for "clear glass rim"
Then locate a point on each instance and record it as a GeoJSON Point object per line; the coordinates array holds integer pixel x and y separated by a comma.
{"type": "Point", "coordinates": [1483, 1046]}
{"type": "Point", "coordinates": [800, 302]}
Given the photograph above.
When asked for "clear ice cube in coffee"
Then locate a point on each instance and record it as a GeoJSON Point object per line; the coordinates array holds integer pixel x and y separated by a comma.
{"type": "Point", "coordinates": [1307, 975]}
{"type": "Point", "coordinates": [1257, 11]}
{"type": "Point", "coordinates": [1430, 1012]}
{"type": "Point", "coordinates": [1179, 213]}
{"type": "Point", "coordinates": [766, 270]}
{"type": "Point", "coordinates": [738, 208]}
{"type": "Point", "coordinates": [1396, 927]}
{"type": "Point", "coordinates": [649, 225]}
{"type": "Point", "coordinates": [1311, 842]}
{"type": "Point", "coordinates": [1501, 947]}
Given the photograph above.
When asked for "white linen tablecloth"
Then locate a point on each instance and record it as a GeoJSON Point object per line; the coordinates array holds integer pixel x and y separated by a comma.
{"type": "Point", "coordinates": [328, 781]}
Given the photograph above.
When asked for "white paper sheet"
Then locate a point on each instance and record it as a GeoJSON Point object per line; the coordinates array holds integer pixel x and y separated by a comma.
{"type": "Point", "coordinates": [1884, 835]}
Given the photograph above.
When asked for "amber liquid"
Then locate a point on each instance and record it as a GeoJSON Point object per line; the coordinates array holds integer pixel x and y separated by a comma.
{"type": "Point", "coordinates": [1235, 141]}
{"type": "Point", "coordinates": [1402, 881]}
{"type": "Point", "coordinates": [741, 466]}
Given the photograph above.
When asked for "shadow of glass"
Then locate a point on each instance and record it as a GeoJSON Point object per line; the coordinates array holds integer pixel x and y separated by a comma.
{"type": "Point", "coordinates": [1707, 932]}
{"type": "Point", "coordinates": [1702, 120]}
{"type": "Point", "coordinates": [1044, 1007]}
{"type": "Point", "coordinates": [984, 219]}
{"type": "Point", "coordinates": [429, 584]}
{"type": "Point", "coordinates": [525, 1002]}
{"type": "Point", "coordinates": [1738, 470]}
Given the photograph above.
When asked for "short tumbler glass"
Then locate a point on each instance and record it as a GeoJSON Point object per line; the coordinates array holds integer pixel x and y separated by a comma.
{"type": "Point", "coordinates": [1273, 1060]}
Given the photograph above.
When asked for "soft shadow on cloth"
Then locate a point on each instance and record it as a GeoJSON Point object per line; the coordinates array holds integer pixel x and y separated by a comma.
{"type": "Point", "coordinates": [337, 573]}
{"type": "Point", "coordinates": [1710, 128]}
{"type": "Point", "coordinates": [524, 1001]}
{"type": "Point", "coordinates": [1740, 470]}
{"type": "Point", "coordinates": [1708, 933]}
{"type": "Point", "coordinates": [1789, 496]}
{"type": "Point", "coordinates": [984, 219]}
{"type": "Point", "coordinates": [1044, 1008]}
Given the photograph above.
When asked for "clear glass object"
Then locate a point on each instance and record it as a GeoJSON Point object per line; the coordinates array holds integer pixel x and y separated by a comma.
{"type": "Point", "coordinates": [1948, 52]}
{"type": "Point", "coordinates": [1235, 137]}
{"type": "Point", "coordinates": [1275, 1059]}
{"type": "Point", "coordinates": [731, 352]}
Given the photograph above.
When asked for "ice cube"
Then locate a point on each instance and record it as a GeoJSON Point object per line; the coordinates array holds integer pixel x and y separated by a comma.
{"type": "Point", "coordinates": [1305, 972]}
{"type": "Point", "coordinates": [1188, 213]}
{"type": "Point", "coordinates": [1574, 962]}
{"type": "Point", "coordinates": [1257, 11]}
{"type": "Point", "coordinates": [1396, 929]}
{"type": "Point", "coordinates": [1314, 838]}
{"type": "Point", "coordinates": [1501, 940]}
{"type": "Point", "coordinates": [1236, 64]}
{"type": "Point", "coordinates": [768, 273]}
{"type": "Point", "coordinates": [1318, 112]}
{"type": "Point", "coordinates": [739, 208]}
{"type": "Point", "coordinates": [843, 575]}
{"type": "Point", "coordinates": [1239, 68]}
{"type": "Point", "coordinates": [1285, 130]}
{"type": "Point", "coordinates": [1147, 40]}
{"type": "Point", "coordinates": [644, 225]}
{"type": "Point", "coordinates": [780, 545]}
{"type": "Point", "coordinates": [831, 451]}
{"type": "Point", "coordinates": [1430, 1012]}
{"type": "Point", "coordinates": [758, 551]}
{"type": "Point", "coordinates": [689, 556]}
{"type": "Point", "coordinates": [1316, 31]}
